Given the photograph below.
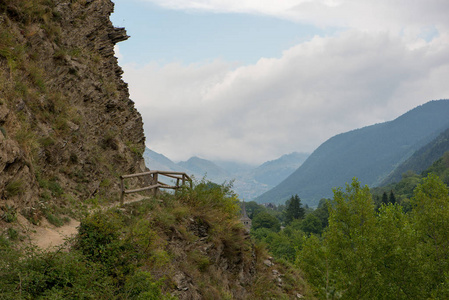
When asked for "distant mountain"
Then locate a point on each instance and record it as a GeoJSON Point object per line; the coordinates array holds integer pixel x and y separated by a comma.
{"type": "Point", "coordinates": [369, 153]}
{"type": "Point", "coordinates": [421, 159]}
{"type": "Point", "coordinates": [233, 167]}
{"type": "Point", "coordinates": [253, 183]}
{"type": "Point", "coordinates": [249, 181]}
{"type": "Point", "coordinates": [157, 161]}
{"type": "Point", "coordinates": [202, 167]}
{"type": "Point", "coordinates": [274, 171]}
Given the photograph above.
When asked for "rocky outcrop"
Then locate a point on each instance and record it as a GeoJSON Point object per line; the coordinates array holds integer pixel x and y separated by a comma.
{"type": "Point", "coordinates": [68, 127]}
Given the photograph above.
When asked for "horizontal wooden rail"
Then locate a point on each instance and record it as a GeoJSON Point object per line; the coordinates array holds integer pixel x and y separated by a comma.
{"type": "Point", "coordinates": [155, 184]}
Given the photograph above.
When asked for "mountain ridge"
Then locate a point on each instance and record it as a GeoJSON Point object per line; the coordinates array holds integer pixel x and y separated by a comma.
{"type": "Point", "coordinates": [369, 153]}
{"type": "Point", "coordinates": [422, 159]}
{"type": "Point", "coordinates": [248, 181]}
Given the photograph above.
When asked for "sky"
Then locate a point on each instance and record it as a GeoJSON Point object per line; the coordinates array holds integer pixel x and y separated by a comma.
{"type": "Point", "coordinates": [252, 80]}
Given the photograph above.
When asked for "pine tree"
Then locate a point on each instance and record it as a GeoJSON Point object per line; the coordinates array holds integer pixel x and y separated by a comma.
{"type": "Point", "coordinates": [392, 198]}
{"type": "Point", "coordinates": [384, 198]}
{"type": "Point", "coordinates": [294, 210]}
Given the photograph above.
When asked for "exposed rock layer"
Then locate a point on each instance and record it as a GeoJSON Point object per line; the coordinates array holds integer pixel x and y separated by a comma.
{"type": "Point", "coordinates": [68, 127]}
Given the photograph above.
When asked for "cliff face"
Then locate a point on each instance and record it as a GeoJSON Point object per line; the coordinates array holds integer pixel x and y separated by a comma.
{"type": "Point", "coordinates": [67, 126]}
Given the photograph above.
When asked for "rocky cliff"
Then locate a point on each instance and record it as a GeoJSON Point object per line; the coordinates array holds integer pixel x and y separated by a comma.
{"type": "Point", "coordinates": [67, 126]}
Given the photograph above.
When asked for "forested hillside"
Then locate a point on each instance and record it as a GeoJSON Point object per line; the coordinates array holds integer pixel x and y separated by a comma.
{"type": "Point", "coordinates": [421, 159]}
{"type": "Point", "coordinates": [402, 190]}
{"type": "Point", "coordinates": [369, 153]}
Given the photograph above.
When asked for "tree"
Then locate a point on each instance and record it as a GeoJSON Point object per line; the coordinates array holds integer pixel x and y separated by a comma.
{"type": "Point", "coordinates": [322, 212]}
{"type": "Point", "coordinates": [385, 198]}
{"type": "Point", "coordinates": [389, 255]}
{"type": "Point", "coordinates": [311, 224]}
{"type": "Point", "coordinates": [294, 210]}
{"type": "Point", "coordinates": [398, 257]}
{"type": "Point", "coordinates": [350, 239]}
{"type": "Point", "coordinates": [392, 198]}
{"type": "Point", "coordinates": [265, 220]}
{"type": "Point", "coordinates": [253, 208]}
{"type": "Point", "coordinates": [431, 219]}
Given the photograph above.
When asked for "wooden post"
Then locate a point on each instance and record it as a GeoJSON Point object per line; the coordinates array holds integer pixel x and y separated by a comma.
{"type": "Point", "coordinates": [155, 181]}
{"type": "Point", "coordinates": [122, 187]}
{"type": "Point", "coordinates": [183, 179]}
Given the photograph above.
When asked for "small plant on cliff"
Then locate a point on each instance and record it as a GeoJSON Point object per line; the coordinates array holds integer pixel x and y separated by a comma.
{"type": "Point", "coordinates": [8, 213]}
{"type": "Point", "coordinates": [14, 188]}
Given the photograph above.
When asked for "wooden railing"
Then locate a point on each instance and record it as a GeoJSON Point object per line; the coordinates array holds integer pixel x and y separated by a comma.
{"type": "Point", "coordinates": [154, 183]}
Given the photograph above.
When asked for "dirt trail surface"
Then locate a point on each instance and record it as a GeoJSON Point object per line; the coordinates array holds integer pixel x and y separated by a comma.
{"type": "Point", "coordinates": [47, 236]}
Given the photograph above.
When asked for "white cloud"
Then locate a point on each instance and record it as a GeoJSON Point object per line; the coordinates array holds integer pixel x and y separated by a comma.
{"type": "Point", "coordinates": [410, 17]}
{"type": "Point", "coordinates": [117, 52]}
{"type": "Point", "coordinates": [315, 90]}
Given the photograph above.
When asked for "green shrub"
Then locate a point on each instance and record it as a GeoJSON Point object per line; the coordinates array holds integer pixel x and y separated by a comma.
{"type": "Point", "coordinates": [13, 234]}
{"type": "Point", "coordinates": [9, 214]}
{"type": "Point", "coordinates": [143, 286]}
{"type": "Point", "coordinates": [54, 219]}
{"type": "Point", "coordinates": [14, 188]}
{"type": "Point", "coordinates": [52, 275]}
{"type": "Point", "coordinates": [97, 232]}
{"type": "Point", "coordinates": [55, 188]}
{"type": "Point", "coordinates": [46, 141]}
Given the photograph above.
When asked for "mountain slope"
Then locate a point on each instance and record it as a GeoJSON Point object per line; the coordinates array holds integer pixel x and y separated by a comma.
{"type": "Point", "coordinates": [274, 171]}
{"type": "Point", "coordinates": [422, 158]}
{"type": "Point", "coordinates": [157, 161]}
{"type": "Point", "coordinates": [202, 167]}
{"type": "Point", "coordinates": [369, 153]}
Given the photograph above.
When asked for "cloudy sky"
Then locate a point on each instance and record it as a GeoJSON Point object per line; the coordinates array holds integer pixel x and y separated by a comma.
{"type": "Point", "coordinates": [251, 80]}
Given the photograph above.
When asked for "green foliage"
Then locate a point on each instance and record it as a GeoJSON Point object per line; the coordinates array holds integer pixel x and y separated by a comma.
{"type": "Point", "coordinates": [55, 188]}
{"type": "Point", "coordinates": [312, 224]}
{"type": "Point", "coordinates": [142, 286]}
{"type": "Point", "coordinates": [136, 251]}
{"type": "Point", "coordinates": [431, 220]}
{"type": "Point", "coordinates": [9, 213]}
{"type": "Point", "coordinates": [14, 188]}
{"type": "Point", "coordinates": [253, 209]}
{"type": "Point", "coordinates": [423, 159]}
{"type": "Point", "coordinates": [391, 255]}
{"type": "Point", "coordinates": [286, 243]}
{"type": "Point", "coordinates": [349, 240]}
{"type": "Point", "coordinates": [266, 220]}
{"type": "Point", "coordinates": [440, 167]}
{"type": "Point", "coordinates": [51, 275]}
{"type": "Point", "coordinates": [98, 235]}
{"type": "Point", "coordinates": [294, 210]}
{"type": "Point", "coordinates": [13, 234]}
{"type": "Point", "coordinates": [53, 219]}
{"type": "Point", "coordinates": [313, 260]}
{"type": "Point", "coordinates": [398, 257]}
{"type": "Point", "coordinates": [209, 194]}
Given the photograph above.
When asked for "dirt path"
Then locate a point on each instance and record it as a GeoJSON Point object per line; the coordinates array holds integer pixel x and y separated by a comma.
{"type": "Point", "coordinates": [47, 236]}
